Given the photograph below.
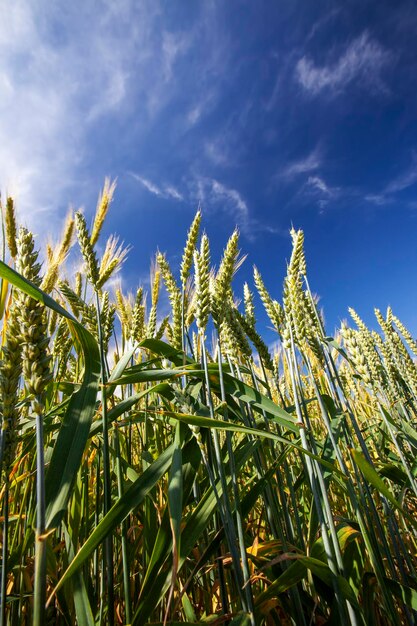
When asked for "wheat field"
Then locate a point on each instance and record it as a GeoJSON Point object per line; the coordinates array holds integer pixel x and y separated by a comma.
{"type": "Point", "coordinates": [173, 470]}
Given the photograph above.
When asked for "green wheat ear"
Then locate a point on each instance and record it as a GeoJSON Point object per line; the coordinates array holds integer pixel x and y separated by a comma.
{"type": "Point", "coordinates": [174, 294]}
{"type": "Point", "coordinates": [249, 305]}
{"type": "Point", "coordinates": [267, 301]}
{"type": "Point", "coordinates": [11, 227]}
{"type": "Point", "coordinates": [152, 318]}
{"type": "Point", "coordinates": [412, 343]}
{"type": "Point", "coordinates": [187, 258]}
{"type": "Point", "coordinates": [138, 317]}
{"type": "Point", "coordinates": [107, 317]}
{"type": "Point", "coordinates": [61, 348]}
{"type": "Point", "coordinates": [222, 286]}
{"type": "Point", "coordinates": [168, 277]}
{"type": "Point", "coordinates": [27, 257]}
{"type": "Point", "coordinates": [10, 372]}
{"type": "Point", "coordinates": [124, 313]}
{"type": "Point", "coordinates": [202, 284]}
{"type": "Point", "coordinates": [256, 339]}
{"type": "Point", "coordinates": [87, 249]}
{"type": "Point", "coordinates": [234, 335]}
{"type": "Point", "coordinates": [353, 346]}
{"type": "Point", "coordinates": [298, 261]}
{"type": "Point", "coordinates": [32, 316]}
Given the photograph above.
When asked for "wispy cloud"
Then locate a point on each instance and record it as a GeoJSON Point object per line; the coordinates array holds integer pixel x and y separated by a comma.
{"type": "Point", "coordinates": [164, 191]}
{"type": "Point", "coordinates": [173, 193]}
{"type": "Point", "coordinates": [202, 106]}
{"type": "Point", "coordinates": [233, 199]}
{"type": "Point", "coordinates": [158, 79]}
{"type": "Point", "coordinates": [378, 198]}
{"type": "Point", "coordinates": [318, 184]}
{"type": "Point", "coordinates": [79, 87]}
{"type": "Point", "coordinates": [323, 21]}
{"type": "Point", "coordinates": [363, 59]}
{"type": "Point", "coordinates": [304, 165]}
{"type": "Point", "coordinates": [53, 91]}
{"type": "Point", "coordinates": [66, 69]}
{"type": "Point", "coordinates": [174, 45]}
{"type": "Point", "coordinates": [215, 195]}
{"type": "Point", "coordinates": [194, 114]}
{"type": "Point", "coordinates": [403, 181]}
{"type": "Point", "coordinates": [321, 191]}
{"type": "Point", "coordinates": [30, 160]}
{"type": "Point", "coordinates": [218, 150]}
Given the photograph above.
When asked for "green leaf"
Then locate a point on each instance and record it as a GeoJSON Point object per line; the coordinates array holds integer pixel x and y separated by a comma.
{"type": "Point", "coordinates": [148, 375]}
{"type": "Point", "coordinates": [175, 492]}
{"type": "Point", "coordinates": [121, 364]}
{"type": "Point", "coordinates": [165, 350]}
{"type": "Point", "coordinates": [372, 477]}
{"type": "Point", "coordinates": [297, 572]}
{"type": "Point", "coordinates": [208, 422]}
{"type": "Point", "coordinates": [239, 390]}
{"type": "Point", "coordinates": [157, 581]}
{"type": "Point", "coordinates": [82, 603]}
{"type": "Point", "coordinates": [403, 593]}
{"type": "Point", "coordinates": [163, 542]}
{"type": "Point", "coordinates": [394, 473]}
{"type": "Point", "coordinates": [124, 406]}
{"type": "Point", "coordinates": [131, 498]}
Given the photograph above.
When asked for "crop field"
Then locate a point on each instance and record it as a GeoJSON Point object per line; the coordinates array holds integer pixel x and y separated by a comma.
{"type": "Point", "coordinates": [175, 470]}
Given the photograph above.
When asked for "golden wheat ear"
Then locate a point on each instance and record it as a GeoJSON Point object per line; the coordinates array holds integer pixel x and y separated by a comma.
{"type": "Point", "coordinates": [104, 200]}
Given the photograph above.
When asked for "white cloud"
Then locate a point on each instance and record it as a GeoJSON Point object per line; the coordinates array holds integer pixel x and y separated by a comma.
{"type": "Point", "coordinates": [364, 58]}
{"type": "Point", "coordinates": [323, 21]}
{"type": "Point", "coordinates": [151, 187]}
{"type": "Point", "coordinates": [173, 46]}
{"type": "Point", "coordinates": [318, 183]}
{"type": "Point", "coordinates": [233, 198]}
{"type": "Point", "coordinates": [307, 164]}
{"type": "Point", "coordinates": [33, 116]}
{"type": "Point", "coordinates": [173, 193]}
{"type": "Point", "coordinates": [194, 114]}
{"type": "Point", "coordinates": [158, 69]}
{"type": "Point", "coordinates": [202, 106]}
{"type": "Point", "coordinates": [378, 198]}
{"type": "Point", "coordinates": [322, 193]}
{"type": "Point", "coordinates": [166, 191]}
{"type": "Point", "coordinates": [214, 195]}
{"type": "Point", "coordinates": [113, 95]}
{"type": "Point", "coordinates": [54, 85]}
{"type": "Point", "coordinates": [217, 150]}
{"type": "Point", "coordinates": [65, 68]}
{"type": "Point", "coordinates": [406, 179]}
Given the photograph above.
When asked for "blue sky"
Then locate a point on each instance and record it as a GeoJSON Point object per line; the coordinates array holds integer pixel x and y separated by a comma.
{"type": "Point", "coordinates": [267, 113]}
